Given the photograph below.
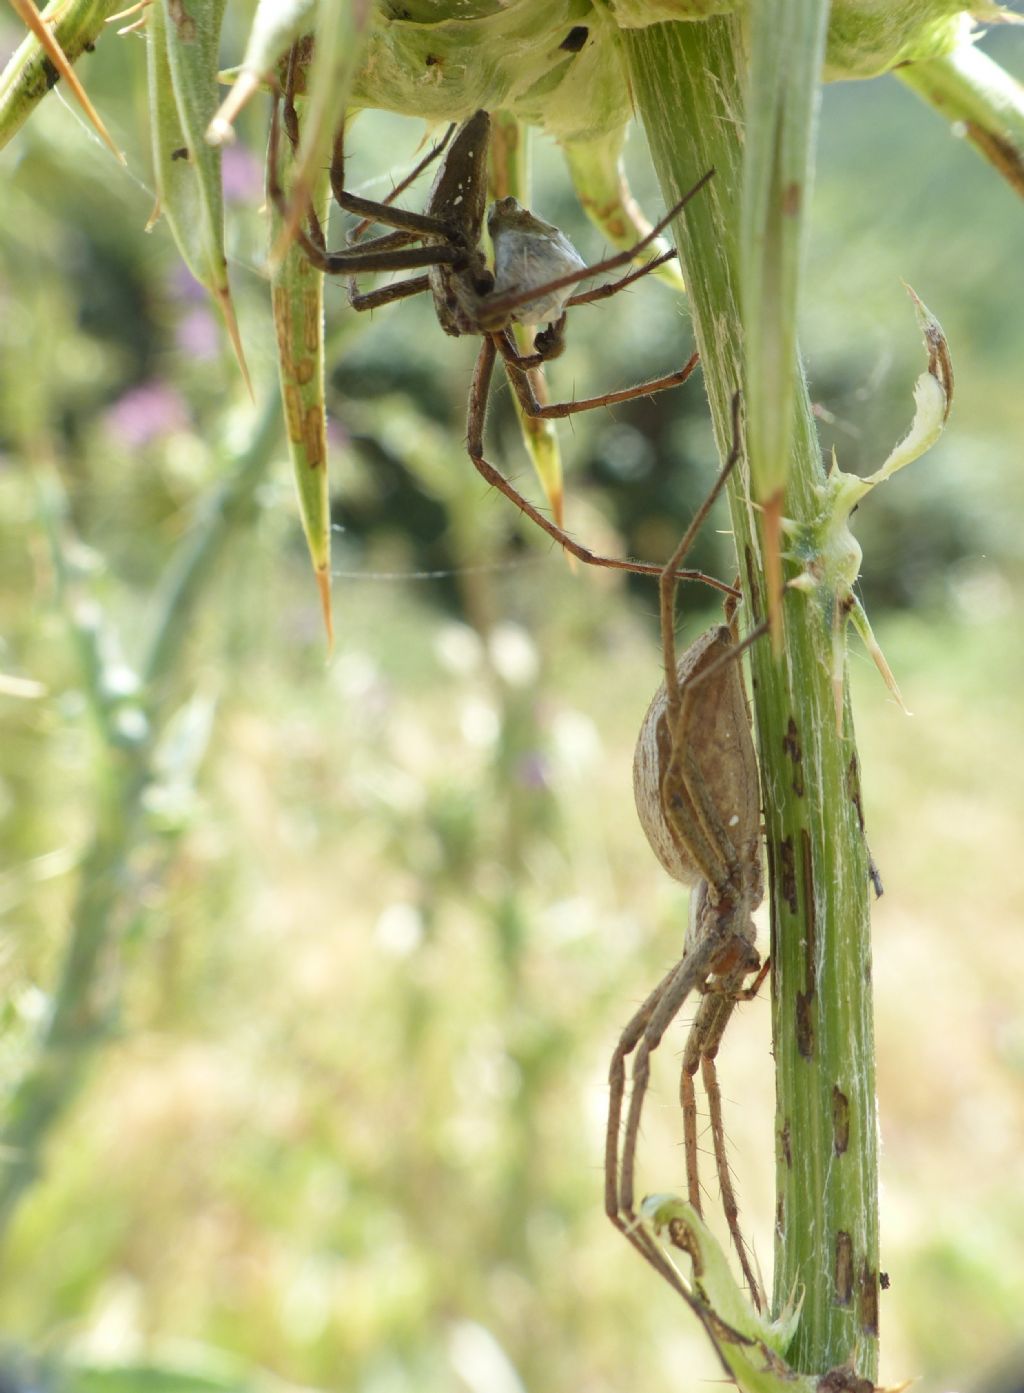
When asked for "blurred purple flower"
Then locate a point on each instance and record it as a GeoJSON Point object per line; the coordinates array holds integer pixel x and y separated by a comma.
{"type": "Point", "coordinates": [337, 436]}
{"type": "Point", "coordinates": [184, 286]}
{"type": "Point", "coordinates": [146, 412]}
{"type": "Point", "coordinates": [241, 175]}
{"type": "Point", "coordinates": [534, 771]}
{"type": "Point", "coordinates": [197, 334]}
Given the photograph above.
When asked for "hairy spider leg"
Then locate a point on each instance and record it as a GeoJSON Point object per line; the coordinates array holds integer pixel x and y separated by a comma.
{"type": "Point", "coordinates": [667, 584]}
{"type": "Point", "coordinates": [549, 342]}
{"type": "Point", "coordinates": [362, 301]}
{"type": "Point", "coordinates": [643, 1034]}
{"type": "Point", "coordinates": [476, 419]}
{"type": "Point", "coordinates": [559, 409]}
{"type": "Point", "coordinates": [499, 307]}
{"type": "Point", "coordinates": [389, 253]}
{"type": "Point", "coordinates": [602, 292]}
{"type": "Point", "coordinates": [338, 176]}
{"type": "Point", "coordinates": [702, 1046]}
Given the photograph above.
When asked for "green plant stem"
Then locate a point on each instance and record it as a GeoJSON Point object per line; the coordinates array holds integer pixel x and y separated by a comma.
{"type": "Point", "coordinates": [83, 1003]}
{"type": "Point", "coordinates": [687, 83]}
{"type": "Point", "coordinates": [972, 91]}
{"type": "Point", "coordinates": [186, 578]}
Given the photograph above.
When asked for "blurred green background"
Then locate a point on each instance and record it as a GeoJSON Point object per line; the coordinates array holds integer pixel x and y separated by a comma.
{"type": "Point", "coordinates": [374, 925]}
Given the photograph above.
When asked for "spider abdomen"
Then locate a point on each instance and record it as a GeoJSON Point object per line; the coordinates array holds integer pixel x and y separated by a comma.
{"type": "Point", "coordinates": [530, 252]}
{"type": "Point", "coordinates": [696, 785]}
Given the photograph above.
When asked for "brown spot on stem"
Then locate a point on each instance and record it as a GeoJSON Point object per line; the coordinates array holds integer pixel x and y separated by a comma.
{"type": "Point", "coordinates": [786, 1148]}
{"type": "Point", "coordinates": [753, 588]}
{"type": "Point", "coordinates": [312, 316]}
{"type": "Point", "coordinates": [867, 1299]}
{"type": "Point", "coordinates": [854, 795]}
{"type": "Point", "coordinates": [182, 21]}
{"type": "Point", "coordinates": [792, 198]}
{"type": "Point", "coordinates": [180, 154]}
{"type": "Point", "coordinates": [840, 1120]}
{"type": "Point", "coordinates": [1003, 153]}
{"type": "Point", "coordinates": [787, 873]}
{"type": "Point", "coordinates": [844, 1268]}
{"type": "Point", "coordinates": [281, 328]}
{"type": "Point", "coordinates": [681, 1237]}
{"type": "Point", "coordinates": [810, 912]}
{"type": "Point", "coordinates": [853, 788]}
{"type": "Point", "coordinates": [844, 1380]}
{"type": "Point", "coordinates": [313, 437]}
{"type": "Point", "coordinates": [805, 1024]}
{"type": "Point", "coordinates": [793, 750]}
{"type": "Point", "coordinates": [780, 1215]}
{"type": "Point", "coordinates": [293, 414]}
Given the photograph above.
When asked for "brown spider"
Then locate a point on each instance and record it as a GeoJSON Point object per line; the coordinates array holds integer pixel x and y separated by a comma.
{"type": "Point", "coordinates": [535, 268]}
{"type": "Point", "coordinates": [695, 779]}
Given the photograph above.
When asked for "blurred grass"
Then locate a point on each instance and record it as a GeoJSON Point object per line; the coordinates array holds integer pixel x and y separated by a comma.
{"type": "Point", "coordinates": [349, 1130]}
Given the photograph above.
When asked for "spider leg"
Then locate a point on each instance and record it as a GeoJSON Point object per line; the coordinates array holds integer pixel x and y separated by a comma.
{"type": "Point", "coordinates": [386, 294]}
{"type": "Point", "coordinates": [667, 586]}
{"type": "Point", "coordinates": [702, 1047]}
{"type": "Point", "coordinates": [422, 224]}
{"type": "Point", "coordinates": [643, 1034]}
{"type": "Point", "coordinates": [559, 409]}
{"type": "Point", "coordinates": [688, 1104]}
{"type": "Point", "coordinates": [602, 292]}
{"type": "Point", "coordinates": [388, 242]}
{"type": "Point", "coordinates": [357, 261]}
{"type": "Point", "coordinates": [653, 1016]}
{"type": "Point", "coordinates": [547, 344]}
{"type": "Point", "coordinates": [338, 175]}
{"type": "Point", "coordinates": [499, 307]}
{"type": "Point", "coordinates": [730, 1207]}
{"type": "Point", "coordinates": [621, 1215]}
{"type": "Point", "coordinates": [476, 418]}
{"type": "Point", "coordinates": [312, 246]}
{"type": "Point", "coordinates": [391, 257]}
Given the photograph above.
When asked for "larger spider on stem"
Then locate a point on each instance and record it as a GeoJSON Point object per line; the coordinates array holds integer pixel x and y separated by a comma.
{"type": "Point", "coordinates": [535, 269]}
{"type": "Point", "coordinates": [696, 784]}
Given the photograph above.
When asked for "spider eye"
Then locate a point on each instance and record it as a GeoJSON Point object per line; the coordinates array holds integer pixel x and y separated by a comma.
{"type": "Point", "coordinates": [484, 283]}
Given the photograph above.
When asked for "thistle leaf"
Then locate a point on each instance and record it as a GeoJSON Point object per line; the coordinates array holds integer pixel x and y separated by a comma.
{"type": "Point", "coordinates": [341, 31]}
{"type": "Point", "coordinates": [183, 44]}
{"type": "Point", "coordinates": [297, 291]}
{"type": "Point", "coordinates": [65, 29]}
